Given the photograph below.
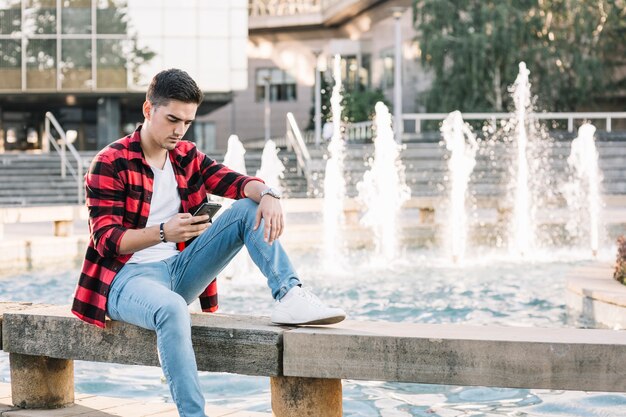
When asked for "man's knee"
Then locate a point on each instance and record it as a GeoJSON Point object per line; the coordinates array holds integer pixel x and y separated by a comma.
{"type": "Point", "coordinates": [173, 309]}
{"type": "Point", "coordinates": [246, 206]}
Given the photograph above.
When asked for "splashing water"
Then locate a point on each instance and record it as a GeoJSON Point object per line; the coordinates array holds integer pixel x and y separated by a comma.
{"type": "Point", "coordinates": [383, 189]}
{"type": "Point", "coordinates": [334, 182]}
{"type": "Point", "coordinates": [272, 169]}
{"type": "Point", "coordinates": [523, 230]}
{"type": "Point", "coordinates": [535, 179]}
{"type": "Point", "coordinates": [583, 193]}
{"type": "Point", "coordinates": [461, 143]}
{"type": "Point", "coordinates": [234, 157]}
{"type": "Point", "coordinates": [240, 268]}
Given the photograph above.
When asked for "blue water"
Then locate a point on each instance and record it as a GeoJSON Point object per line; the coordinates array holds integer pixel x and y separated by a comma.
{"type": "Point", "coordinates": [421, 288]}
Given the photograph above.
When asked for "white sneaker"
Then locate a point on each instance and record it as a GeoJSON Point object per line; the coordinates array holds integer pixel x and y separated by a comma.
{"type": "Point", "coordinates": [299, 306]}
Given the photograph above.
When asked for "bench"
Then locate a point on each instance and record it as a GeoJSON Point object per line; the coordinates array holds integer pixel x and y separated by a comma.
{"type": "Point", "coordinates": [62, 217]}
{"type": "Point", "coordinates": [306, 364]}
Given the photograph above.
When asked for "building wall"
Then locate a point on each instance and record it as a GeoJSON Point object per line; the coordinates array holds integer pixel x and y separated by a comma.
{"type": "Point", "coordinates": [292, 49]}
{"type": "Point", "coordinates": [89, 62]}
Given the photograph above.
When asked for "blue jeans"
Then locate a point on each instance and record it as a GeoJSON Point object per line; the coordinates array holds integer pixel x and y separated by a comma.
{"type": "Point", "coordinates": [155, 295]}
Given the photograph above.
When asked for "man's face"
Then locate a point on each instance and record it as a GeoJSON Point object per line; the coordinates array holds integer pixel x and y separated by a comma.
{"type": "Point", "coordinates": [167, 124]}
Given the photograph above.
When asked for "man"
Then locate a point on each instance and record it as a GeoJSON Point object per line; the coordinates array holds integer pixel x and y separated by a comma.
{"type": "Point", "coordinates": [140, 192]}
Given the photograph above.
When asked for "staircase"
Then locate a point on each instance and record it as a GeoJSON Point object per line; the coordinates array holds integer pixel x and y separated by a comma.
{"type": "Point", "coordinates": [35, 180]}
{"type": "Point", "coordinates": [293, 185]}
{"type": "Point", "coordinates": [426, 166]}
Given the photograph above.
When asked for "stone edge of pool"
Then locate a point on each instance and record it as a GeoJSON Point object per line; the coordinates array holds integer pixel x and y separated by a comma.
{"type": "Point", "coordinates": [594, 296]}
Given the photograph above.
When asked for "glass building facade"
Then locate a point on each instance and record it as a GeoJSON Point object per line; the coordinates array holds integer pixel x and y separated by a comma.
{"type": "Point", "coordinates": [90, 61]}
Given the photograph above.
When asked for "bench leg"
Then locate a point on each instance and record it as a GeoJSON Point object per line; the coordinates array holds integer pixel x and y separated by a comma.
{"type": "Point", "coordinates": [306, 397]}
{"type": "Point", "coordinates": [41, 382]}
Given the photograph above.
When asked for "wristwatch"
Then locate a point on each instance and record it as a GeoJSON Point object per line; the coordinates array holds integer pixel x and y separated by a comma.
{"type": "Point", "coordinates": [271, 191]}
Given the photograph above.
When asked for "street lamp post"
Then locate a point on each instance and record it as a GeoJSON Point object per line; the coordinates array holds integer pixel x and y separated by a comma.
{"type": "Point", "coordinates": [318, 100]}
{"type": "Point", "coordinates": [397, 81]}
{"type": "Point", "coordinates": [267, 108]}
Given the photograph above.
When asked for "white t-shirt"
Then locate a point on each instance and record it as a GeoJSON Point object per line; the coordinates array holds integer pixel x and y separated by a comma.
{"type": "Point", "coordinates": [165, 204]}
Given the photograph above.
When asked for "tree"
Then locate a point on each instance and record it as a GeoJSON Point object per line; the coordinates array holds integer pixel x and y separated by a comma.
{"type": "Point", "coordinates": [573, 48]}
{"type": "Point", "coordinates": [358, 103]}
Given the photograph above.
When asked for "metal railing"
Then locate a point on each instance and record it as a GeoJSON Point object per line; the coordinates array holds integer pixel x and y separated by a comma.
{"type": "Point", "coordinates": [61, 148]}
{"type": "Point", "coordinates": [570, 117]}
{"type": "Point", "coordinates": [412, 122]}
{"type": "Point", "coordinates": [359, 131]}
{"type": "Point", "coordinates": [262, 8]}
{"type": "Point", "coordinates": [296, 142]}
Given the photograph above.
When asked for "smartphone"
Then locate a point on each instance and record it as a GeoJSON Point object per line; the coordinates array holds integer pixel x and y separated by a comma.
{"type": "Point", "coordinates": [209, 208]}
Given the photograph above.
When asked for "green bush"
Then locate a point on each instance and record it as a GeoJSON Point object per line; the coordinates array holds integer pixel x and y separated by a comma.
{"type": "Point", "coordinates": [359, 105]}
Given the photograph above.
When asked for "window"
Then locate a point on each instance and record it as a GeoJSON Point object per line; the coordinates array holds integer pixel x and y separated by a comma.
{"type": "Point", "coordinates": [204, 133]}
{"type": "Point", "coordinates": [10, 64]}
{"type": "Point", "coordinates": [282, 85]}
{"type": "Point", "coordinates": [41, 64]}
{"type": "Point", "coordinates": [10, 16]}
{"type": "Point", "coordinates": [111, 17]}
{"type": "Point", "coordinates": [76, 16]}
{"type": "Point", "coordinates": [111, 60]}
{"type": "Point", "coordinates": [387, 79]}
{"type": "Point", "coordinates": [76, 64]}
{"type": "Point", "coordinates": [40, 17]}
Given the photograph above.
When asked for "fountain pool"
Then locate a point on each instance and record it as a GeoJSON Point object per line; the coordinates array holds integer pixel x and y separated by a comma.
{"type": "Point", "coordinates": [421, 287]}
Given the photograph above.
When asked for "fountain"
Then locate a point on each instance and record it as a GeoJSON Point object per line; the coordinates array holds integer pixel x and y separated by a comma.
{"type": "Point", "coordinates": [272, 169]}
{"type": "Point", "coordinates": [234, 157]}
{"type": "Point", "coordinates": [461, 143]}
{"type": "Point", "coordinates": [334, 182]}
{"type": "Point", "coordinates": [488, 290]}
{"type": "Point", "coordinates": [583, 192]}
{"type": "Point", "coordinates": [523, 227]}
{"type": "Point", "coordinates": [383, 189]}
{"type": "Point", "coordinates": [534, 181]}
{"type": "Point", "coordinates": [241, 268]}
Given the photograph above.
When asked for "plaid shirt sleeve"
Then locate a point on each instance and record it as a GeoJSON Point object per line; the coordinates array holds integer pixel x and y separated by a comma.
{"type": "Point", "coordinates": [223, 181]}
{"type": "Point", "coordinates": [105, 198]}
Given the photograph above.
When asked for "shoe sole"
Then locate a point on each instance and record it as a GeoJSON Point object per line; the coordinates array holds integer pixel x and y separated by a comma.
{"type": "Point", "coordinates": [326, 320]}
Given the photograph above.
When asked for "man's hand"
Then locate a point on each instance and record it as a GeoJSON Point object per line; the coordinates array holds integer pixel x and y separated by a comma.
{"type": "Point", "coordinates": [271, 211]}
{"type": "Point", "coordinates": [180, 228]}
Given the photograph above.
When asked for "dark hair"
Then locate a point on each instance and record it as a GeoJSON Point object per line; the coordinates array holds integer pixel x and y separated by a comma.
{"type": "Point", "coordinates": [173, 84]}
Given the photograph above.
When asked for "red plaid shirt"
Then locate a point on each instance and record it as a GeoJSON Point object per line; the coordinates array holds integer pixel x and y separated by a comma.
{"type": "Point", "coordinates": [119, 188]}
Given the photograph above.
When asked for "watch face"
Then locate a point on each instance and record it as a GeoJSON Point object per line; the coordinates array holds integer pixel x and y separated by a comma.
{"type": "Point", "coordinates": [273, 192]}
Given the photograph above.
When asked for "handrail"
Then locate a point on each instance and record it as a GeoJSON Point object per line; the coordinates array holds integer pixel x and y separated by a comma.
{"type": "Point", "coordinates": [78, 173]}
{"type": "Point", "coordinates": [569, 116]}
{"type": "Point", "coordinates": [295, 142]}
{"type": "Point", "coordinates": [359, 131]}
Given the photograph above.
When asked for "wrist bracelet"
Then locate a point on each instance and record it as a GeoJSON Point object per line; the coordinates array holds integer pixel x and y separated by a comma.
{"type": "Point", "coordinates": [162, 233]}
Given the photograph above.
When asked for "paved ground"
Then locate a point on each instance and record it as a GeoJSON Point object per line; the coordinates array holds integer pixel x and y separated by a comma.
{"type": "Point", "coordinates": [94, 406]}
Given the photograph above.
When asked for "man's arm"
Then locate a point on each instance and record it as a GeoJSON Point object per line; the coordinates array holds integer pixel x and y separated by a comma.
{"type": "Point", "coordinates": [106, 199]}
{"type": "Point", "coordinates": [177, 229]}
{"type": "Point", "coordinates": [269, 209]}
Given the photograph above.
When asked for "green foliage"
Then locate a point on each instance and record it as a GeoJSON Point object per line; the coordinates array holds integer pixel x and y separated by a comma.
{"type": "Point", "coordinates": [359, 104]}
{"type": "Point", "coordinates": [620, 262]}
{"type": "Point", "coordinates": [473, 47]}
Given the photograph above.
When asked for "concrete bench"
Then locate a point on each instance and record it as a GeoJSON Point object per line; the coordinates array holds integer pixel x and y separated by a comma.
{"type": "Point", "coordinates": [306, 364]}
{"type": "Point", "coordinates": [62, 216]}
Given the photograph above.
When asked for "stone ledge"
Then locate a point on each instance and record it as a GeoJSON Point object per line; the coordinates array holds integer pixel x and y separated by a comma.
{"type": "Point", "coordinates": [594, 296]}
{"type": "Point", "coordinates": [236, 344]}
{"type": "Point", "coordinates": [516, 357]}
